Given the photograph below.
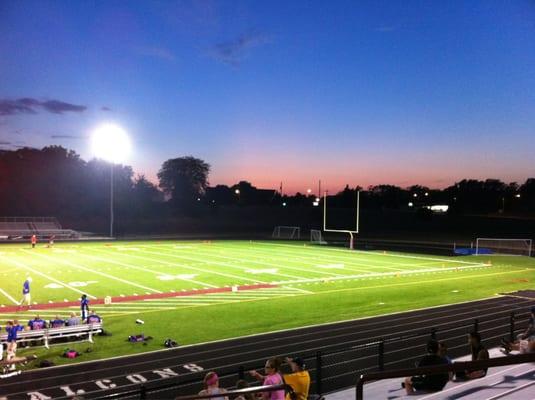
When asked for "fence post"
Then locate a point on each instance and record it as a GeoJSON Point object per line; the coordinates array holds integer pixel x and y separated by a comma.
{"type": "Point", "coordinates": [434, 333]}
{"type": "Point", "coordinates": [476, 325]}
{"type": "Point", "coordinates": [319, 373]}
{"type": "Point", "coordinates": [381, 355]}
{"type": "Point", "coordinates": [142, 392]}
{"type": "Point", "coordinates": [241, 372]}
{"type": "Point", "coordinates": [512, 327]}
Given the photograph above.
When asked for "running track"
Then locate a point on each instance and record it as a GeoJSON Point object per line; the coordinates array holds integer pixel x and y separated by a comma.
{"type": "Point", "coordinates": [337, 342]}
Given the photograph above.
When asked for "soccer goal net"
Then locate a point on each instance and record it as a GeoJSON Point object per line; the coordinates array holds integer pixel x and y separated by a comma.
{"type": "Point", "coordinates": [316, 237]}
{"type": "Point", "coordinates": [520, 247]}
{"type": "Point", "coordinates": [287, 232]}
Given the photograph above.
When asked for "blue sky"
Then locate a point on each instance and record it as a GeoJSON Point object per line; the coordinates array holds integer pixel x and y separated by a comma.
{"type": "Point", "coordinates": [348, 92]}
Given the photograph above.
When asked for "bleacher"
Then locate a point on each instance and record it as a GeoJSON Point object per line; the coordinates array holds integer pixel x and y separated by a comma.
{"type": "Point", "coordinates": [19, 228]}
{"type": "Point", "coordinates": [508, 382]}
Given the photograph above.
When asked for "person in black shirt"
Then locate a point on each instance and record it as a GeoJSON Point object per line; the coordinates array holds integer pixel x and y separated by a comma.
{"type": "Point", "coordinates": [479, 352]}
{"type": "Point", "coordinates": [428, 383]}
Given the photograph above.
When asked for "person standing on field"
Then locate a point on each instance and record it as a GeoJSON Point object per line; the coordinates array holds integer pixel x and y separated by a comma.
{"type": "Point", "coordinates": [26, 296]}
{"type": "Point", "coordinates": [84, 305]}
{"type": "Point", "coordinates": [33, 241]}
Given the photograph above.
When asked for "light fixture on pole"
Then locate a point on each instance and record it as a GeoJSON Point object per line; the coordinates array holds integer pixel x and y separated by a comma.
{"type": "Point", "coordinates": [110, 143]}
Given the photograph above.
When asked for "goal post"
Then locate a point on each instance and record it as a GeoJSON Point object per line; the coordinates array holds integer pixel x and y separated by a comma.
{"type": "Point", "coordinates": [501, 246]}
{"type": "Point", "coordinates": [316, 237]}
{"type": "Point", "coordinates": [351, 232]}
{"type": "Point", "coordinates": [286, 232]}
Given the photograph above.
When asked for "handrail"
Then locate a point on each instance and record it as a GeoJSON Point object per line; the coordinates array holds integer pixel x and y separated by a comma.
{"type": "Point", "coordinates": [145, 391]}
{"type": "Point", "coordinates": [437, 369]}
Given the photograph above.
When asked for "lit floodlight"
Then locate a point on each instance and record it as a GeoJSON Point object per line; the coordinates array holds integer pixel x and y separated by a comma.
{"type": "Point", "coordinates": [415, 195]}
{"type": "Point", "coordinates": [317, 199]}
{"type": "Point", "coordinates": [426, 194]}
{"type": "Point", "coordinates": [284, 204]}
{"type": "Point", "coordinates": [517, 195]}
{"type": "Point", "coordinates": [237, 191]}
{"type": "Point", "coordinates": [309, 191]}
{"type": "Point", "coordinates": [410, 204]}
{"type": "Point", "coordinates": [111, 143]}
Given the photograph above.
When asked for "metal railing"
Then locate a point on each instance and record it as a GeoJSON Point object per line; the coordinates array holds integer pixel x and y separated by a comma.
{"type": "Point", "coordinates": [438, 369]}
{"type": "Point", "coordinates": [334, 367]}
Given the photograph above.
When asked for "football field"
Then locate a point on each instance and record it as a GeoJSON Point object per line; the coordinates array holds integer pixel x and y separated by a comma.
{"type": "Point", "coordinates": [197, 291]}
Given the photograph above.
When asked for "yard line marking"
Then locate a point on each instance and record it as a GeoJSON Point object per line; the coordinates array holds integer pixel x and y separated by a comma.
{"type": "Point", "coordinates": [211, 253]}
{"type": "Point", "coordinates": [201, 261]}
{"type": "Point", "coordinates": [95, 272]}
{"type": "Point", "coordinates": [365, 253]}
{"type": "Point", "coordinates": [350, 262]}
{"type": "Point", "coordinates": [8, 296]}
{"type": "Point", "coordinates": [247, 252]}
{"type": "Point", "coordinates": [388, 274]}
{"type": "Point", "coordinates": [207, 271]}
{"type": "Point", "coordinates": [146, 269]}
{"type": "Point", "coordinates": [49, 277]}
{"type": "Point", "coordinates": [301, 290]}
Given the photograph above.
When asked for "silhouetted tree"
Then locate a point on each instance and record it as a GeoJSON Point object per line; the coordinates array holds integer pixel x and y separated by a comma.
{"type": "Point", "coordinates": [184, 179]}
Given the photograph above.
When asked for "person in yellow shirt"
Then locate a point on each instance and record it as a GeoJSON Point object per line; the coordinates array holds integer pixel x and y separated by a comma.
{"type": "Point", "coordinates": [299, 379]}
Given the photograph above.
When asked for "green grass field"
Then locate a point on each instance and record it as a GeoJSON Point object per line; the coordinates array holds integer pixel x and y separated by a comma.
{"type": "Point", "coordinates": [314, 284]}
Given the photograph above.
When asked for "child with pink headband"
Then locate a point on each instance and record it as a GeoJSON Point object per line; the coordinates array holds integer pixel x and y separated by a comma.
{"type": "Point", "coordinates": [211, 387]}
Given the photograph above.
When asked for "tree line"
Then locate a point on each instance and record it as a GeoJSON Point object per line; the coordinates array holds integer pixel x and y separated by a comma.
{"type": "Point", "coordinates": [54, 181]}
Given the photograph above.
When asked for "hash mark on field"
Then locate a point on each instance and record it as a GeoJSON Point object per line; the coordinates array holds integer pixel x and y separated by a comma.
{"type": "Point", "coordinates": [96, 272]}
{"type": "Point", "coordinates": [208, 271]}
{"type": "Point", "coordinates": [48, 277]}
{"type": "Point", "coordinates": [148, 270]}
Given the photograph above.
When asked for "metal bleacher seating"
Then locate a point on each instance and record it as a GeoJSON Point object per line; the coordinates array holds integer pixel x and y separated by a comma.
{"type": "Point", "coordinates": [24, 227]}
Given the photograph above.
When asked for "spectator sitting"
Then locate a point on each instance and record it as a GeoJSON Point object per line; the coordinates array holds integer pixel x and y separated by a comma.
{"type": "Point", "coordinates": [443, 352]}
{"type": "Point", "coordinates": [299, 379]}
{"type": "Point", "coordinates": [73, 320]}
{"type": "Point", "coordinates": [272, 377]}
{"type": "Point", "coordinates": [479, 352]}
{"type": "Point", "coordinates": [93, 318]}
{"type": "Point", "coordinates": [57, 323]}
{"type": "Point", "coordinates": [428, 383]}
{"type": "Point", "coordinates": [525, 342]}
{"type": "Point", "coordinates": [242, 384]}
{"type": "Point", "coordinates": [211, 387]}
{"type": "Point", "coordinates": [37, 323]}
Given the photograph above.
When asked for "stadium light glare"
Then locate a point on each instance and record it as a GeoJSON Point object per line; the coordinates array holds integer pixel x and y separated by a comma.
{"type": "Point", "coordinates": [111, 143]}
{"type": "Point", "coordinates": [309, 191]}
{"type": "Point", "coordinates": [237, 191]}
{"type": "Point", "coordinates": [517, 195]}
{"type": "Point", "coordinates": [411, 204]}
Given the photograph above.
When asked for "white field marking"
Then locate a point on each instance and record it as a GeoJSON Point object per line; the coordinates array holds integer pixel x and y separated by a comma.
{"type": "Point", "coordinates": [388, 274]}
{"type": "Point", "coordinates": [179, 301]}
{"type": "Point", "coordinates": [145, 269]}
{"type": "Point", "coordinates": [263, 256]}
{"type": "Point", "coordinates": [351, 264]}
{"type": "Point", "coordinates": [19, 264]}
{"type": "Point", "coordinates": [256, 261]}
{"type": "Point", "coordinates": [301, 290]}
{"type": "Point", "coordinates": [206, 271]}
{"type": "Point", "coordinates": [224, 264]}
{"type": "Point", "coordinates": [96, 272]}
{"type": "Point", "coordinates": [374, 253]}
{"type": "Point", "coordinates": [8, 296]}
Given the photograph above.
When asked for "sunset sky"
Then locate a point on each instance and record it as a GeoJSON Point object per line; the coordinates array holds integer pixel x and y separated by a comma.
{"type": "Point", "coordinates": [357, 92]}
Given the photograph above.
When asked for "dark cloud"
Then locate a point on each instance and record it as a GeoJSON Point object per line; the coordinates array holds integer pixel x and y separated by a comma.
{"type": "Point", "coordinates": [233, 52]}
{"type": "Point", "coordinates": [68, 137]}
{"type": "Point", "coordinates": [104, 108]}
{"type": "Point", "coordinates": [4, 143]}
{"type": "Point", "coordinates": [28, 105]}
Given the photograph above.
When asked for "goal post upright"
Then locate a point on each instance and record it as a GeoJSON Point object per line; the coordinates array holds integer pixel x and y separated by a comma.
{"type": "Point", "coordinates": [351, 233]}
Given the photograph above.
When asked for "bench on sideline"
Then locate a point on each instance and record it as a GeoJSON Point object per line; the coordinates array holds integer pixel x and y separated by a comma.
{"type": "Point", "coordinates": [50, 334]}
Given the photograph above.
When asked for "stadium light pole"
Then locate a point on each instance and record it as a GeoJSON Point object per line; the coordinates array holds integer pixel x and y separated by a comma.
{"type": "Point", "coordinates": [110, 142]}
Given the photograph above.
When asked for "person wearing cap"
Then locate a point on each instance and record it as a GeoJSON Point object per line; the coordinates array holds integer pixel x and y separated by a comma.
{"type": "Point", "coordinates": [211, 387]}
{"type": "Point", "coordinates": [299, 379]}
{"type": "Point", "coordinates": [26, 296]}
